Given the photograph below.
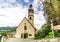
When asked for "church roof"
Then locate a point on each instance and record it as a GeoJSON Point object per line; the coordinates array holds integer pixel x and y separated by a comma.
{"type": "Point", "coordinates": [57, 27]}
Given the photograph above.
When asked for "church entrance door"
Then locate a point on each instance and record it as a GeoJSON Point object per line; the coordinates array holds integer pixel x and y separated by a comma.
{"type": "Point", "coordinates": [24, 35]}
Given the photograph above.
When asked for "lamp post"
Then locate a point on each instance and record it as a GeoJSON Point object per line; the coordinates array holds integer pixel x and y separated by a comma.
{"type": "Point", "coordinates": [52, 27]}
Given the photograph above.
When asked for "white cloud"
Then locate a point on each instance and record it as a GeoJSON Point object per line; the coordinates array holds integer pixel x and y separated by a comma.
{"type": "Point", "coordinates": [6, 3]}
{"type": "Point", "coordinates": [11, 1]}
{"type": "Point", "coordinates": [39, 20]}
{"type": "Point", "coordinates": [14, 15]}
{"type": "Point", "coordinates": [26, 0]}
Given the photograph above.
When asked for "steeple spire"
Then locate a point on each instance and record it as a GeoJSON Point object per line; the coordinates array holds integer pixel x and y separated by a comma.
{"type": "Point", "coordinates": [30, 6]}
{"type": "Point", "coordinates": [31, 14]}
{"type": "Point", "coordinates": [30, 11]}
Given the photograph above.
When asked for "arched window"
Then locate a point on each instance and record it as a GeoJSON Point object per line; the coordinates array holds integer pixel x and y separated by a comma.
{"type": "Point", "coordinates": [30, 18]}
{"type": "Point", "coordinates": [25, 27]}
{"type": "Point", "coordinates": [30, 34]}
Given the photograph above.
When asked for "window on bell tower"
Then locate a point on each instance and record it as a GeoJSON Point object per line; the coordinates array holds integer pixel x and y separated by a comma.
{"type": "Point", "coordinates": [30, 18]}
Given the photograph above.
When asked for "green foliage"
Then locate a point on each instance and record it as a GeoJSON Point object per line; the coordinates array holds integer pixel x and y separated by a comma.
{"type": "Point", "coordinates": [46, 28]}
{"type": "Point", "coordinates": [52, 9]}
{"type": "Point", "coordinates": [57, 33]}
{"type": "Point", "coordinates": [43, 32]}
{"type": "Point", "coordinates": [7, 29]}
{"type": "Point", "coordinates": [0, 38]}
{"type": "Point", "coordinates": [39, 35]}
{"type": "Point", "coordinates": [50, 35]}
{"type": "Point", "coordinates": [3, 33]}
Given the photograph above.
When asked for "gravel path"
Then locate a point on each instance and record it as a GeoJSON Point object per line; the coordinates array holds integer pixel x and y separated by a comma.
{"type": "Point", "coordinates": [19, 40]}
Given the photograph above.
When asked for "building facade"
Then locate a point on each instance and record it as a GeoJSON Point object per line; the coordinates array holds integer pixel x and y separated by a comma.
{"type": "Point", "coordinates": [26, 28]}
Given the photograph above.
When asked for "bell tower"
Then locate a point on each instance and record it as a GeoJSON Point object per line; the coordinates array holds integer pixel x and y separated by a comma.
{"type": "Point", "coordinates": [31, 14]}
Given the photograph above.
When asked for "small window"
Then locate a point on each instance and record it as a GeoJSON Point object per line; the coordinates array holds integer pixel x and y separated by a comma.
{"type": "Point", "coordinates": [30, 18]}
{"type": "Point", "coordinates": [30, 34]}
{"type": "Point", "coordinates": [25, 27]}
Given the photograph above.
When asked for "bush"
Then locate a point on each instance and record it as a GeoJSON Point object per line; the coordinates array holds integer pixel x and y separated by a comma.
{"type": "Point", "coordinates": [43, 32]}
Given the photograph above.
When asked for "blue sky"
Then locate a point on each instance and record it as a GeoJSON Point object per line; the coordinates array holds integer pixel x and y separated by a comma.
{"type": "Point", "coordinates": [13, 11]}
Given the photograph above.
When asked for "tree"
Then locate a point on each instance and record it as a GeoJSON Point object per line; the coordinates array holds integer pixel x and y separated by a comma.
{"type": "Point", "coordinates": [3, 33]}
{"type": "Point", "coordinates": [52, 9]}
{"type": "Point", "coordinates": [43, 32]}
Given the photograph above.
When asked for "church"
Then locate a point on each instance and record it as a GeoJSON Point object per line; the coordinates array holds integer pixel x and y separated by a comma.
{"type": "Point", "coordinates": [26, 28]}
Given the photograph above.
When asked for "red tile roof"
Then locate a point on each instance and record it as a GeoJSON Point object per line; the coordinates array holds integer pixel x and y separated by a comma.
{"type": "Point", "coordinates": [57, 27]}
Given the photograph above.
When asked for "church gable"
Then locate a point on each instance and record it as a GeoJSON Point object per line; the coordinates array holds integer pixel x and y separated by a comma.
{"type": "Point", "coordinates": [25, 27]}
{"type": "Point", "coordinates": [25, 22]}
